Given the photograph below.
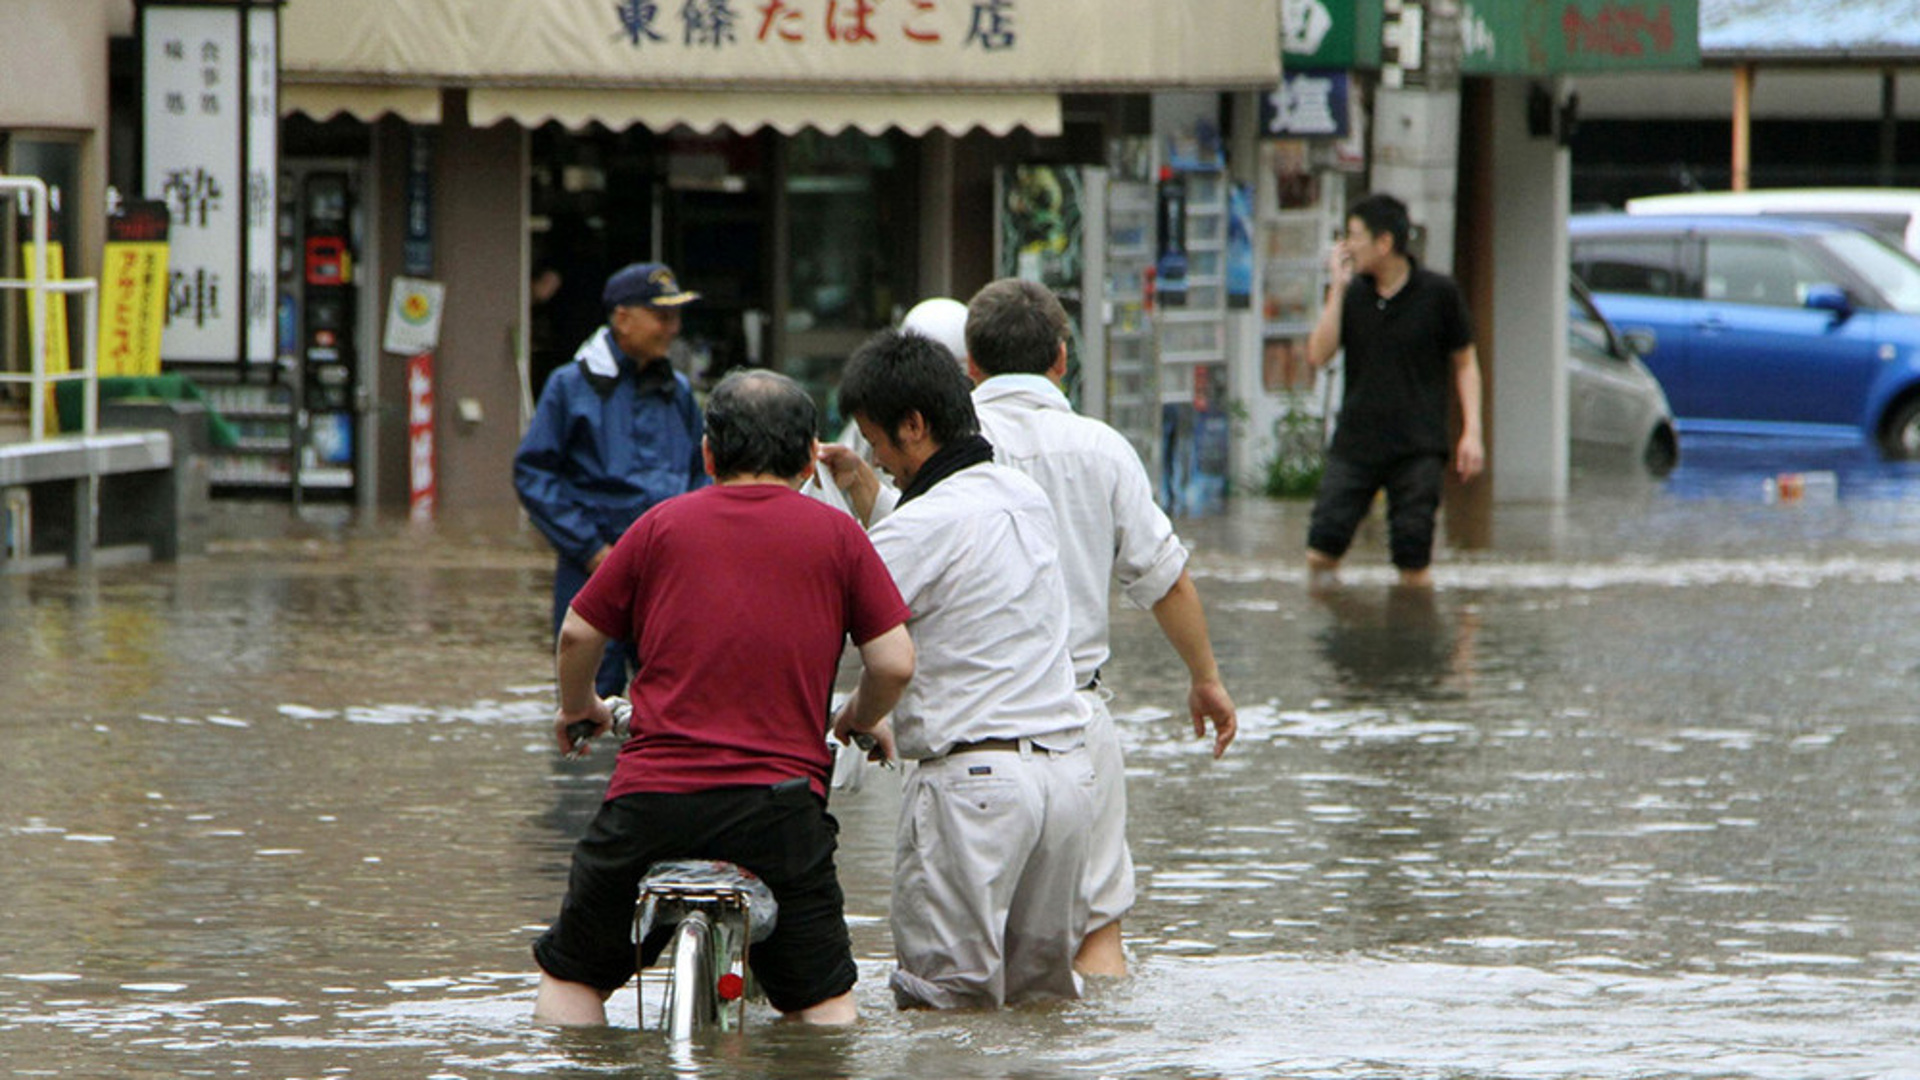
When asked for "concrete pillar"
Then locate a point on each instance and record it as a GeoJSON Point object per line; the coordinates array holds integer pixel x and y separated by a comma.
{"type": "Point", "coordinates": [1528, 404]}
{"type": "Point", "coordinates": [1416, 159]}
{"type": "Point", "coordinates": [936, 217]}
{"type": "Point", "coordinates": [480, 243]}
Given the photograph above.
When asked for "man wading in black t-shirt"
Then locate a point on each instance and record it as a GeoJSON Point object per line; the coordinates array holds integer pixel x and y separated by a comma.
{"type": "Point", "coordinates": [1408, 344]}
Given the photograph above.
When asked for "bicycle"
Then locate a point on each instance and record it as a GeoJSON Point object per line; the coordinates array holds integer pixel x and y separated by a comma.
{"type": "Point", "coordinates": [712, 913]}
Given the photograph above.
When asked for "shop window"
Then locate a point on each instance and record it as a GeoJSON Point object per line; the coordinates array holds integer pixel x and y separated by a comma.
{"type": "Point", "coordinates": [850, 251]}
{"type": "Point", "coordinates": [846, 202]}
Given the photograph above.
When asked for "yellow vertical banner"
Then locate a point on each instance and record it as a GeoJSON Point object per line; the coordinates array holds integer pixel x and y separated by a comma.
{"type": "Point", "coordinates": [56, 308]}
{"type": "Point", "coordinates": [133, 297]}
{"type": "Point", "coordinates": [133, 289]}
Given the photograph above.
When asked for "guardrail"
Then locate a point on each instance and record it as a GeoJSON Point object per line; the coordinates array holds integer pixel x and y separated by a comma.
{"type": "Point", "coordinates": [39, 287]}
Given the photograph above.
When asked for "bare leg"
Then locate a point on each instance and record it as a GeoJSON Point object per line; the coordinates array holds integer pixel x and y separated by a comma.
{"type": "Point", "coordinates": [1417, 579]}
{"type": "Point", "coordinates": [1323, 570]}
{"type": "Point", "coordinates": [568, 1004]}
{"type": "Point", "coordinates": [834, 1010]}
{"type": "Point", "coordinates": [1101, 953]}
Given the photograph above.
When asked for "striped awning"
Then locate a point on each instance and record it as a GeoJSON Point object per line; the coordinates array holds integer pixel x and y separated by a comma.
{"type": "Point", "coordinates": [324, 101]}
{"type": "Point", "coordinates": [660, 110]}
{"type": "Point", "coordinates": [915, 65]}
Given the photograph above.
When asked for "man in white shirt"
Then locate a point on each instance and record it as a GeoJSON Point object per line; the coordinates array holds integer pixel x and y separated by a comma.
{"type": "Point", "coordinates": [1110, 530]}
{"type": "Point", "coordinates": [988, 900]}
{"type": "Point", "coordinates": [940, 319]}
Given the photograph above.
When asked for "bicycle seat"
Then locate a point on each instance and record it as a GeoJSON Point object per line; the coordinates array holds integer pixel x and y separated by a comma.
{"type": "Point", "coordinates": [670, 886]}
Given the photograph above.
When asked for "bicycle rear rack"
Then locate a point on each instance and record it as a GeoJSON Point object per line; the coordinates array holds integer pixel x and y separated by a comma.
{"type": "Point", "coordinates": [718, 910]}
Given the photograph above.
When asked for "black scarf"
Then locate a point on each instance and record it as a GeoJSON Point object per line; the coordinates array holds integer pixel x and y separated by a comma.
{"type": "Point", "coordinates": [961, 453]}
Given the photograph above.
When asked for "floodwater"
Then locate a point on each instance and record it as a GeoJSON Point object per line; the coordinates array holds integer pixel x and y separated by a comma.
{"type": "Point", "coordinates": [1634, 793]}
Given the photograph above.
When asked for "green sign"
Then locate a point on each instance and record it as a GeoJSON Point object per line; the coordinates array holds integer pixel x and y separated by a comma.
{"type": "Point", "coordinates": [1553, 37]}
{"type": "Point", "coordinates": [1329, 35]}
{"type": "Point", "coordinates": [1505, 37]}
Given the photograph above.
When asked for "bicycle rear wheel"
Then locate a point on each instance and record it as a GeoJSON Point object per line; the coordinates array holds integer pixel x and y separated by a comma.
{"type": "Point", "coordinates": [692, 1003]}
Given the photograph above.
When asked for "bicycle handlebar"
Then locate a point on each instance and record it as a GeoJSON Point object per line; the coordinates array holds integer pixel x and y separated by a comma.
{"type": "Point", "coordinates": [580, 732]}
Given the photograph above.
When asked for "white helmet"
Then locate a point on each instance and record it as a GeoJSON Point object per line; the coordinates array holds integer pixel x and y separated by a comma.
{"type": "Point", "coordinates": [940, 319]}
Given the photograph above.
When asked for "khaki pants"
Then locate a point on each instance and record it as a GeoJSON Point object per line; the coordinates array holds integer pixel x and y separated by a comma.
{"type": "Point", "coordinates": [1110, 889]}
{"type": "Point", "coordinates": [989, 897]}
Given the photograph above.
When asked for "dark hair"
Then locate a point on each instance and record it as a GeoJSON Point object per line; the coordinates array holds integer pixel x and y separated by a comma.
{"type": "Point", "coordinates": [1382, 213]}
{"type": "Point", "coordinates": [892, 375]}
{"type": "Point", "coordinates": [1015, 327]}
{"type": "Point", "coordinates": [760, 421]}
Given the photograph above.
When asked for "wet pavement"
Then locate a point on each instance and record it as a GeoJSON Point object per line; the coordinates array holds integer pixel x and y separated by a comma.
{"type": "Point", "coordinates": [1634, 793]}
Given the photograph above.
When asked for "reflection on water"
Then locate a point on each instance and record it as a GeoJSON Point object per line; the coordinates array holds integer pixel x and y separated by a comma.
{"type": "Point", "coordinates": [1632, 794]}
{"type": "Point", "coordinates": [1395, 642]}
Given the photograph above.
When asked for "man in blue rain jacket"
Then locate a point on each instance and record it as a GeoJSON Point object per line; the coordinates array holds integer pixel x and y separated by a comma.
{"type": "Point", "coordinates": [616, 431]}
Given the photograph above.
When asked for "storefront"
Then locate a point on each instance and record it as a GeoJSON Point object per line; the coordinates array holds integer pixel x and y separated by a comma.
{"type": "Point", "coordinates": [813, 167]}
{"type": "Point", "coordinates": [53, 124]}
{"type": "Point", "coordinates": [1465, 112]}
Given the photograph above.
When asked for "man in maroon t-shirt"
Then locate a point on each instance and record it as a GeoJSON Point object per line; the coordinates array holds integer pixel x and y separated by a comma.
{"type": "Point", "coordinates": [740, 597]}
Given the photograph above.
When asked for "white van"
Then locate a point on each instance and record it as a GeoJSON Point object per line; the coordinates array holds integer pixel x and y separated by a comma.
{"type": "Point", "coordinates": [1890, 213]}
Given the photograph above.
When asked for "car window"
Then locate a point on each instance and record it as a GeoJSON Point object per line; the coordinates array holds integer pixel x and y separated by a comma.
{"type": "Point", "coordinates": [1892, 273]}
{"type": "Point", "coordinates": [1642, 266]}
{"type": "Point", "coordinates": [1586, 330]}
{"type": "Point", "coordinates": [1889, 225]}
{"type": "Point", "coordinates": [1768, 270]}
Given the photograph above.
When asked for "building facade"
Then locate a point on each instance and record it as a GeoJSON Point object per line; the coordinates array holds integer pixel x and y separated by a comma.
{"type": "Point", "coordinates": [813, 167]}
{"type": "Point", "coordinates": [54, 124]}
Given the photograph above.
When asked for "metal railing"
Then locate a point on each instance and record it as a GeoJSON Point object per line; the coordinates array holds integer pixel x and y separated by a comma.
{"type": "Point", "coordinates": [40, 287]}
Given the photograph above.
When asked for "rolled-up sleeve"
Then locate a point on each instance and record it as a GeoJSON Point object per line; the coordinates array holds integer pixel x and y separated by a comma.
{"type": "Point", "coordinates": [1148, 556]}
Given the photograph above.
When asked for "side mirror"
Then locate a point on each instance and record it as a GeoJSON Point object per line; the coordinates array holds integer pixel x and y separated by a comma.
{"type": "Point", "coordinates": [1830, 298]}
{"type": "Point", "coordinates": [1640, 342]}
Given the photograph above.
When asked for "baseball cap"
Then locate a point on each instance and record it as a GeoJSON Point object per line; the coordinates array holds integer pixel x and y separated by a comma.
{"type": "Point", "coordinates": [650, 283]}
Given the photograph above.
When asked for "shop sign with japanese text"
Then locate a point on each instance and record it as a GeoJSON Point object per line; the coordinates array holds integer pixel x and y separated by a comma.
{"type": "Point", "coordinates": [210, 132]}
{"type": "Point", "coordinates": [740, 44]}
{"type": "Point", "coordinates": [423, 485]}
{"type": "Point", "coordinates": [1309, 104]}
{"type": "Point", "coordinates": [1322, 35]}
{"type": "Point", "coordinates": [1550, 37]}
{"type": "Point", "coordinates": [133, 290]}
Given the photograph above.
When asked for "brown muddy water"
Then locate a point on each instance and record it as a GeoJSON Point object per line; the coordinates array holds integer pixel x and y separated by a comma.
{"type": "Point", "coordinates": [1634, 793]}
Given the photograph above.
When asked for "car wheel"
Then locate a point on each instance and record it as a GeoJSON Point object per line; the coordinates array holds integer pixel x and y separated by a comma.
{"type": "Point", "coordinates": [1900, 439]}
{"type": "Point", "coordinates": [1662, 453]}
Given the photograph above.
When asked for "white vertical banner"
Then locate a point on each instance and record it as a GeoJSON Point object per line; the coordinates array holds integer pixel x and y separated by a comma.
{"type": "Point", "coordinates": [199, 71]}
{"type": "Point", "coordinates": [263, 178]}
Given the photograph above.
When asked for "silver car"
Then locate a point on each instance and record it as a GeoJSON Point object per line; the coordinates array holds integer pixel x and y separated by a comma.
{"type": "Point", "coordinates": [1619, 413]}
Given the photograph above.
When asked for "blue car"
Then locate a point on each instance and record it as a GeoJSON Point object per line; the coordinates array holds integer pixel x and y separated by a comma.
{"type": "Point", "coordinates": [1765, 326]}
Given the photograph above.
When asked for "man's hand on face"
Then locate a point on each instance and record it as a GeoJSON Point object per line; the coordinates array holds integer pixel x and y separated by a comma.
{"type": "Point", "coordinates": [1340, 265]}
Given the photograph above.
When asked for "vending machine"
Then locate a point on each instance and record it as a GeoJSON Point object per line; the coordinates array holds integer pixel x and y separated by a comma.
{"type": "Point", "coordinates": [1136, 252]}
{"type": "Point", "coordinates": [325, 310]}
{"type": "Point", "coordinates": [1050, 227]}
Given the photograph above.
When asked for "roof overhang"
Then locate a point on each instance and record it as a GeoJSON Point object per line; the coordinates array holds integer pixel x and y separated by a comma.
{"type": "Point", "coordinates": [1823, 33]}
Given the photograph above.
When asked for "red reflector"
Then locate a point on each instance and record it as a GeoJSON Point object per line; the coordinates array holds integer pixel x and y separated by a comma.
{"type": "Point", "coordinates": [730, 987]}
